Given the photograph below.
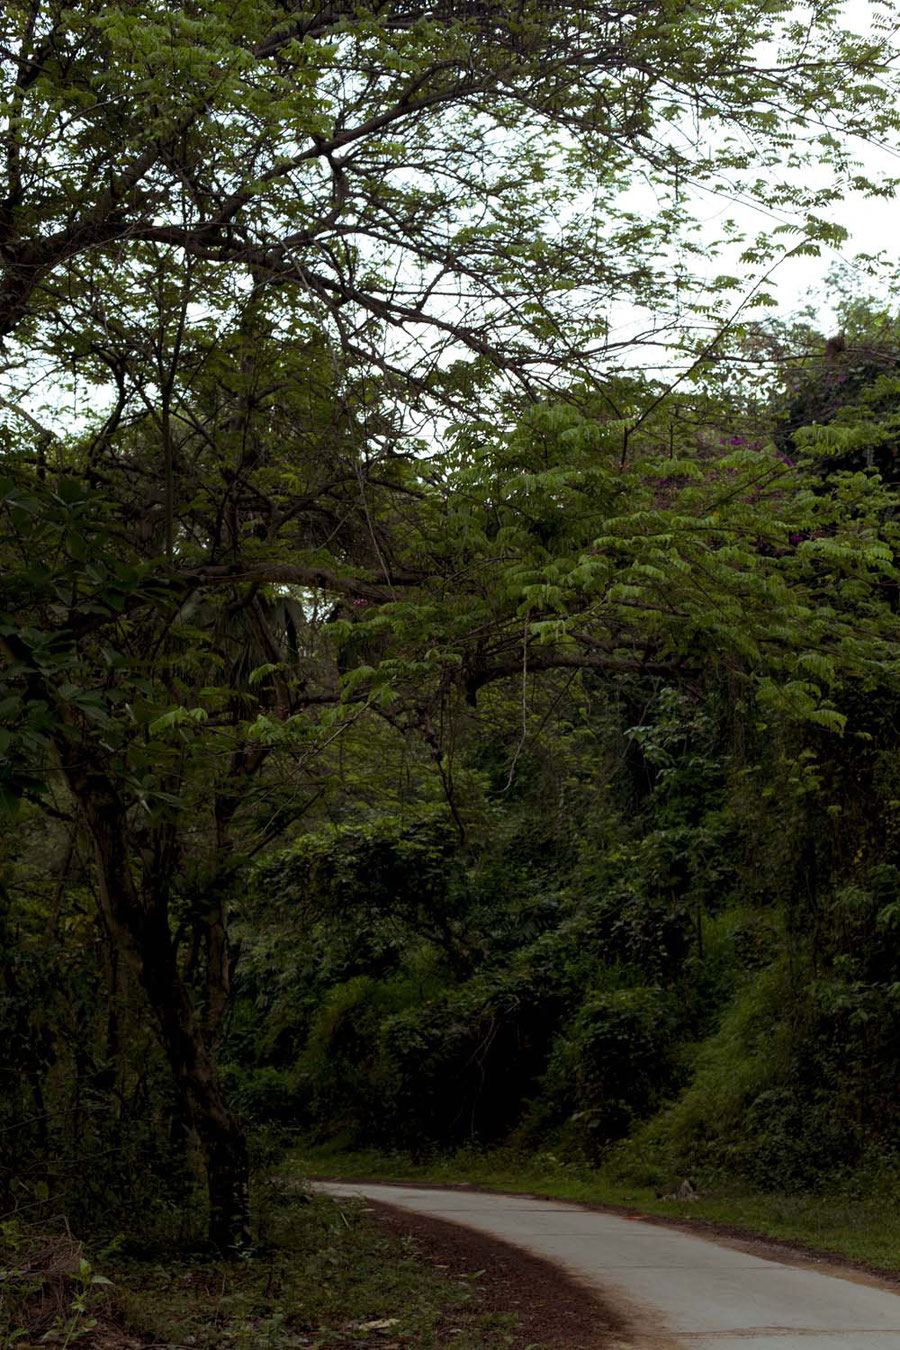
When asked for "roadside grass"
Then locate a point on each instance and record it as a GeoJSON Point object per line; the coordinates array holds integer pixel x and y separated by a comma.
{"type": "Point", "coordinates": [860, 1223]}
{"type": "Point", "coordinates": [323, 1277]}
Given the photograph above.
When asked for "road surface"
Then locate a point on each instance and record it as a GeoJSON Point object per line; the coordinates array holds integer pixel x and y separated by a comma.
{"type": "Point", "coordinates": [674, 1289]}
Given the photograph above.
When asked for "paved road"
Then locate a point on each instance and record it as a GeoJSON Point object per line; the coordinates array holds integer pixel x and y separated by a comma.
{"type": "Point", "coordinates": [677, 1290]}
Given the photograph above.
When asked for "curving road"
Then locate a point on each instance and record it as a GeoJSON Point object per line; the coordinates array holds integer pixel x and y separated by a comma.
{"type": "Point", "coordinates": [674, 1289]}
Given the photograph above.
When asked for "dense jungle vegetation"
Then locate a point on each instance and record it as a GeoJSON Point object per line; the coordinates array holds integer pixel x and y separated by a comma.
{"type": "Point", "coordinates": [425, 724]}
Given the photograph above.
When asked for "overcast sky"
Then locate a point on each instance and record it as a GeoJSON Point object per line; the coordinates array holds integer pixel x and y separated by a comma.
{"type": "Point", "coordinates": [873, 223]}
{"type": "Point", "coordinates": [873, 226]}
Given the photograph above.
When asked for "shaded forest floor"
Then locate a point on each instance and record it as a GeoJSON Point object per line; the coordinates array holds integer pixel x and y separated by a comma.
{"type": "Point", "coordinates": [329, 1275]}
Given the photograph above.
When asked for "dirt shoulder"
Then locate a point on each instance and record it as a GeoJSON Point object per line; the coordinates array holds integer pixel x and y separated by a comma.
{"type": "Point", "coordinates": [553, 1311]}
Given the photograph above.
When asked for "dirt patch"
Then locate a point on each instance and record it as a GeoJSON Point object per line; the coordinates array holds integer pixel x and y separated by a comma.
{"type": "Point", "coordinates": [554, 1311]}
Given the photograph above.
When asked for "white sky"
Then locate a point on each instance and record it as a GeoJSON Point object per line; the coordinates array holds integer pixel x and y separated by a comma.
{"type": "Point", "coordinates": [873, 224]}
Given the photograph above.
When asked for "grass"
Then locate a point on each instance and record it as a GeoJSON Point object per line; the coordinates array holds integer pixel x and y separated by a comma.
{"type": "Point", "coordinates": [324, 1277]}
{"type": "Point", "coordinates": [862, 1227]}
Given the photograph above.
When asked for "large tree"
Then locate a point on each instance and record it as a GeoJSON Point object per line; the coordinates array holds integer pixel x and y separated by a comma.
{"type": "Point", "coordinates": [249, 252]}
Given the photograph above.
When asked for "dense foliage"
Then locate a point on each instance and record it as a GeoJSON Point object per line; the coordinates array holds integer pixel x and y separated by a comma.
{"type": "Point", "coordinates": [420, 723]}
{"type": "Point", "coordinates": [679, 920]}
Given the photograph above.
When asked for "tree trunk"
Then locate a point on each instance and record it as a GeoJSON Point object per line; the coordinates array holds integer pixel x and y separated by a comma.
{"type": "Point", "coordinates": [139, 927]}
{"type": "Point", "coordinates": [228, 1171]}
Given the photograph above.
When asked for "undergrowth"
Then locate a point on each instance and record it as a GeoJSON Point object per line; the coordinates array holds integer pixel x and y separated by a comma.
{"type": "Point", "coordinates": [321, 1276]}
{"type": "Point", "coordinates": [50, 1294]}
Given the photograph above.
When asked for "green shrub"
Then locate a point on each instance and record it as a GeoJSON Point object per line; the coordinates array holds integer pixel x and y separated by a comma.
{"type": "Point", "coordinates": [615, 1065]}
